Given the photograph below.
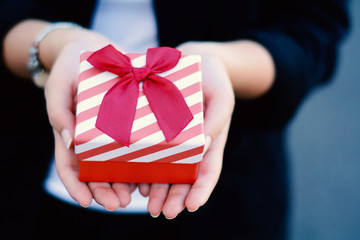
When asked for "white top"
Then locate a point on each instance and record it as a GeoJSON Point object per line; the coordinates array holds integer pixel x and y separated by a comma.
{"type": "Point", "coordinates": [129, 23]}
{"type": "Point", "coordinates": [132, 25]}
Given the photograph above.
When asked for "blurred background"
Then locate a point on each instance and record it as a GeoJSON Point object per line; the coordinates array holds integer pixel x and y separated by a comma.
{"type": "Point", "coordinates": [324, 142]}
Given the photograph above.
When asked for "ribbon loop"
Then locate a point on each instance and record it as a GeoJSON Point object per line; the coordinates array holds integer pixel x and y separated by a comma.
{"type": "Point", "coordinates": [118, 107]}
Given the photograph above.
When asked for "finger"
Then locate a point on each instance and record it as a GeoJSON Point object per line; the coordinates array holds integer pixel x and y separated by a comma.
{"type": "Point", "coordinates": [132, 187]}
{"type": "Point", "coordinates": [157, 197]}
{"type": "Point", "coordinates": [60, 112]}
{"type": "Point", "coordinates": [144, 189]}
{"type": "Point", "coordinates": [123, 191]}
{"type": "Point", "coordinates": [203, 186]}
{"type": "Point", "coordinates": [104, 195]}
{"type": "Point", "coordinates": [218, 96]}
{"type": "Point", "coordinates": [208, 173]}
{"type": "Point", "coordinates": [60, 92]}
{"type": "Point", "coordinates": [175, 201]}
{"type": "Point", "coordinates": [66, 166]}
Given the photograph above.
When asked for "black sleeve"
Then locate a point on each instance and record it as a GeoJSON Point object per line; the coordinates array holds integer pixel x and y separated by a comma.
{"type": "Point", "coordinates": [14, 11]}
{"type": "Point", "coordinates": [22, 105]}
{"type": "Point", "coordinates": [303, 38]}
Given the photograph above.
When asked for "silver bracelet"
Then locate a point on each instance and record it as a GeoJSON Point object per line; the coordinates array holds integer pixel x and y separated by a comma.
{"type": "Point", "coordinates": [38, 73]}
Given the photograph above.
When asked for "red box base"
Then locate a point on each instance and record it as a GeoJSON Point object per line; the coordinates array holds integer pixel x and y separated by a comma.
{"type": "Point", "coordinates": [112, 171]}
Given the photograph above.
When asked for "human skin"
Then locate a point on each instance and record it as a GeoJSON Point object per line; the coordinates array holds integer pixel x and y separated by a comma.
{"type": "Point", "coordinates": [240, 68]}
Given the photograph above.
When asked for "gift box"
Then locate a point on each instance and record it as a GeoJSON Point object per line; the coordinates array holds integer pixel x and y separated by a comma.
{"type": "Point", "coordinates": [143, 121]}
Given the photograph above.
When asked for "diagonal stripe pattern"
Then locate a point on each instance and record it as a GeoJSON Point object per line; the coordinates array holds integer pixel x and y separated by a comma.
{"type": "Point", "coordinates": [148, 144]}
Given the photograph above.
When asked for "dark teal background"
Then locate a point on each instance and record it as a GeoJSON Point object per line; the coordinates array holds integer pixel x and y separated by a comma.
{"type": "Point", "coordinates": [324, 141]}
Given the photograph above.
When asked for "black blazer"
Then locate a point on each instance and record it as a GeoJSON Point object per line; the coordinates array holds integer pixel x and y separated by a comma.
{"type": "Point", "coordinates": [302, 37]}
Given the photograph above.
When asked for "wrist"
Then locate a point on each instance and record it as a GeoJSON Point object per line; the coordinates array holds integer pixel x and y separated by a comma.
{"type": "Point", "coordinates": [249, 65]}
{"type": "Point", "coordinates": [38, 73]}
{"type": "Point", "coordinates": [51, 46]}
{"type": "Point", "coordinates": [212, 49]}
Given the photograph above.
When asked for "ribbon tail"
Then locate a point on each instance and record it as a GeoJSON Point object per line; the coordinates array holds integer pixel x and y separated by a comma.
{"type": "Point", "coordinates": [117, 111]}
{"type": "Point", "coordinates": [168, 105]}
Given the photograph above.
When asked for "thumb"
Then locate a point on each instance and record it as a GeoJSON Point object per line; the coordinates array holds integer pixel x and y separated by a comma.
{"type": "Point", "coordinates": [218, 97]}
{"type": "Point", "coordinates": [63, 121]}
{"type": "Point", "coordinates": [60, 108]}
{"type": "Point", "coordinates": [60, 90]}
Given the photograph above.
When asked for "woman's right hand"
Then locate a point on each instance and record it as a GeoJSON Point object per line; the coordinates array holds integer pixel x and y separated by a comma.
{"type": "Point", "coordinates": [60, 93]}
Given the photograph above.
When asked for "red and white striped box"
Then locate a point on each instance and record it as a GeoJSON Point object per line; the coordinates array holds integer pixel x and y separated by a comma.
{"type": "Point", "coordinates": [149, 158]}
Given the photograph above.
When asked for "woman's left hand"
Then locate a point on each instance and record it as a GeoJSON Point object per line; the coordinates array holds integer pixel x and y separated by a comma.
{"type": "Point", "coordinates": [171, 199]}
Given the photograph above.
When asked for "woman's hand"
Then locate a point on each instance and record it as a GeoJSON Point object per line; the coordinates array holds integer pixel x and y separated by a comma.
{"type": "Point", "coordinates": [219, 104]}
{"type": "Point", "coordinates": [60, 92]}
{"type": "Point", "coordinates": [246, 63]}
{"type": "Point", "coordinates": [244, 68]}
{"type": "Point", "coordinates": [59, 52]}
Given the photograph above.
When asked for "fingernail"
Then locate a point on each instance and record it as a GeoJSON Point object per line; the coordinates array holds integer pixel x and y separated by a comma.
{"type": "Point", "coordinates": [193, 210]}
{"type": "Point", "coordinates": [84, 206]}
{"type": "Point", "coordinates": [207, 143]}
{"type": "Point", "coordinates": [123, 207]}
{"type": "Point", "coordinates": [110, 210]}
{"type": "Point", "coordinates": [169, 218]}
{"type": "Point", "coordinates": [67, 138]}
{"type": "Point", "coordinates": [155, 216]}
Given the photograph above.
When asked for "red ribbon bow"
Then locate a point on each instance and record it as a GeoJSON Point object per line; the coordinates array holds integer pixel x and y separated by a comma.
{"type": "Point", "coordinates": [117, 110]}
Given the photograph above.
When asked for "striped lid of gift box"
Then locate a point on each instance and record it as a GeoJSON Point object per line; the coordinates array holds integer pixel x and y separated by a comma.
{"type": "Point", "coordinates": [147, 142]}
